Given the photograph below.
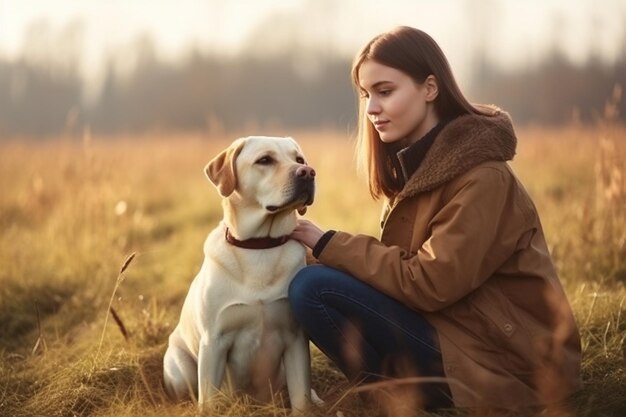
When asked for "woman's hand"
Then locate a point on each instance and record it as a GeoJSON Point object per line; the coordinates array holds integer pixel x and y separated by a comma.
{"type": "Point", "coordinates": [307, 233]}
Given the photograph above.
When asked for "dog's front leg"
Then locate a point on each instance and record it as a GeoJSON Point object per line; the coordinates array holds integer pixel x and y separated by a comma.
{"type": "Point", "coordinates": [211, 366]}
{"type": "Point", "coordinates": [297, 363]}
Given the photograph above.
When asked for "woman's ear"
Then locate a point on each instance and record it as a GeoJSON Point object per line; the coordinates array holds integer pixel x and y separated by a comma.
{"type": "Point", "coordinates": [432, 88]}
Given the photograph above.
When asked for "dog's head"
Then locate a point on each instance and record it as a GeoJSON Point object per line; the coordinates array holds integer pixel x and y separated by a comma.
{"type": "Point", "coordinates": [268, 171]}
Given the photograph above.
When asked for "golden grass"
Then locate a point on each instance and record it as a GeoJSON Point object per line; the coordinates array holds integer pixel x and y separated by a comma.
{"type": "Point", "coordinates": [72, 210]}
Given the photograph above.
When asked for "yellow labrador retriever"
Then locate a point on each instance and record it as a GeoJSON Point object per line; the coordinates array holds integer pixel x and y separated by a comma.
{"type": "Point", "coordinates": [236, 323]}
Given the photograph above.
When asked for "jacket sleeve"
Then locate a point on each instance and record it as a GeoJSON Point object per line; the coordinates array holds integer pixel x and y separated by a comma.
{"type": "Point", "coordinates": [477, 229]}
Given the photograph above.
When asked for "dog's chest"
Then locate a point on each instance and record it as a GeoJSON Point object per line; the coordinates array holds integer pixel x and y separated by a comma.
{"type": "Point", "coordinates": [258, 270]}
{"type": "Point", "coordinates": [256, 320]}
{"type": "Point", "coordinates": [244, 294]}
{"type": "Point", "coordinates": [264, 272]}
{"type": "Point", "coordinates": [257, 335]}
{"type": "Point", "coordinates": [244, 307]}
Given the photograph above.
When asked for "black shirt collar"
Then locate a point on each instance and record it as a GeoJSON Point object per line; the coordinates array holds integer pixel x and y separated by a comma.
{"type": "Point", "coordinates": [410, 158]}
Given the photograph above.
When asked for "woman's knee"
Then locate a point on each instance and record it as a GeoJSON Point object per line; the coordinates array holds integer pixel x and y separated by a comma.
{"type": "Point", "coordinates": [302, 284]}
{"type": "Point", "coordinates": [306, 288]}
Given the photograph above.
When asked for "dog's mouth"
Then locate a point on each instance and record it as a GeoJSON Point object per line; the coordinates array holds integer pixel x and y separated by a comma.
{"type": "Point", "coordinates": [300, 200]}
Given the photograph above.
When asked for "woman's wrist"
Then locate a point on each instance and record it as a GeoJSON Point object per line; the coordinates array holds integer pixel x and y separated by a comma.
{"type": "Point", "coordinates": [322, 242]}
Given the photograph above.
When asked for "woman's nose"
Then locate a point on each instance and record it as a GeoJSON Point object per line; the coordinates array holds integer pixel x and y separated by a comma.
{"type": "Point", "coordinates": [372, 107]}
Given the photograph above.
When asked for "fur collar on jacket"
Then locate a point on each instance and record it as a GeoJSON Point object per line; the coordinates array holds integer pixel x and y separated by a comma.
{"type": "Point", "coordinates": [464, 143]}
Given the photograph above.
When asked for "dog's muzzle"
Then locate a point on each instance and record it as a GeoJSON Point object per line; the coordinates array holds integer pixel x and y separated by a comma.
{"type": "Point", "coordinates": [303, 190]}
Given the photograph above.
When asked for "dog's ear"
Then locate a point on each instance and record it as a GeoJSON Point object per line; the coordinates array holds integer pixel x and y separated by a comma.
{"type": "Point", "coordinates": [221, 170]}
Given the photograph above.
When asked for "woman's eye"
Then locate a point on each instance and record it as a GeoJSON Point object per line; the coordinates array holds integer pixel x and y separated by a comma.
{"type": "Point", "coordinates": [384, 93]}
{"type": "Point", "coordinates": [266, 160]}
{"type": "Point", "coordinates": [300, 160]}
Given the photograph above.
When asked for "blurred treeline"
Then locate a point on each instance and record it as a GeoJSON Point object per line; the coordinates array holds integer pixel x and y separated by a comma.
{"type": "Point", "coordinates": [296, 88]}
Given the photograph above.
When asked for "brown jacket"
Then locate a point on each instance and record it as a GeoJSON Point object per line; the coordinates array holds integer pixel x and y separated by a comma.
{"type": "Point", "coordinates": [462, 243]}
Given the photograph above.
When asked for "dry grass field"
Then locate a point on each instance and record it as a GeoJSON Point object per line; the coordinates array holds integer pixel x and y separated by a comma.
{"type": "Point", "coordinates": [72, 210]}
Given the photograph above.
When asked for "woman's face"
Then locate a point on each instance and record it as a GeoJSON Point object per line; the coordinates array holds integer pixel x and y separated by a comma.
{"type": "Point", "coordinates": [397, 106]}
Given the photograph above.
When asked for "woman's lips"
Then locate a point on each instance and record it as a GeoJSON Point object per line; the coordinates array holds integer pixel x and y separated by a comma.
{"type": "Point", "coordinates": [380, 124]}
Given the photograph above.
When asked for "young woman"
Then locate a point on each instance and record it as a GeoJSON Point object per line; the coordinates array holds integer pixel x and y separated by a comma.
{"type": "Point", "coordinates": [460, 289]}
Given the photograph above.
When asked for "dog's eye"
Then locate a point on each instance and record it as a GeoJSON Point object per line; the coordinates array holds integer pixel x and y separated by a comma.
{"type": "Point", "coordinates": [266, 160]}
{"type": "Point", "coordinates": [300, 160]}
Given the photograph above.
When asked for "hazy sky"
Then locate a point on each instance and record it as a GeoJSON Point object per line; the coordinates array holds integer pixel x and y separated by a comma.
{"type": "Point", "coordinates": [514, 32]}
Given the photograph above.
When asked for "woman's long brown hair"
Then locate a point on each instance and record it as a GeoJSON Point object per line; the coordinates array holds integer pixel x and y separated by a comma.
{"type": "Point", "coordinates": [416, 54]}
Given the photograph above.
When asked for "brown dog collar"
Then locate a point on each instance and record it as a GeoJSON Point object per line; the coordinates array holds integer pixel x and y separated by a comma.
{"type": "Point", "coordinates": [257, 242]}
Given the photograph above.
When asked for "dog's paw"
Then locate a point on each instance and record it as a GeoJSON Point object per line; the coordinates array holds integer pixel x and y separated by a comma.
{"type": "Point", "coordinates": [315, 399]}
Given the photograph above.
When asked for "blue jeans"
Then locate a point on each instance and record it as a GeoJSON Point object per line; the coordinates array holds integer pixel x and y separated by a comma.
{"type": "Point", "coordinates": [368, 335]}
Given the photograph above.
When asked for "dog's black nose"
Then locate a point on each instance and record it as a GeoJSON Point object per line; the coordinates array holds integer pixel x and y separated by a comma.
{"type": "Point", "coordinates": [305, 172]}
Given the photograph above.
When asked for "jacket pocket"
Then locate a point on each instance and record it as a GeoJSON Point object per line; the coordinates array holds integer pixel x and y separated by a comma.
{"type": "Point", "coordinates": [510, 340]}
